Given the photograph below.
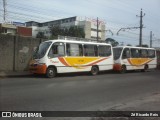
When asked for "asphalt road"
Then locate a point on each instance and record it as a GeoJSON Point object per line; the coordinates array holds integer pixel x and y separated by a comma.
{"type": "Point", "coordinates": [70, 92]}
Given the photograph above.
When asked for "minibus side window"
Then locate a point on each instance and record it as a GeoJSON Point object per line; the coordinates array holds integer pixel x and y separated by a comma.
{"type": "Point", "coordinates": [74, 49]}
{"type": "Point", "coordinates": [151, 53]}
{"type": "Point", "coordinates": [126, 53]}
{"type": "Point", "coordinates": [135, 53]}
{"type": "Point", "coordinates": [143, 53]}
{"type": "Point", "coordinates": [104, 50]}
{"type": "Point", "coordinates": [90, 50]}
{"type": "Point", "coordinates": [57, 50]}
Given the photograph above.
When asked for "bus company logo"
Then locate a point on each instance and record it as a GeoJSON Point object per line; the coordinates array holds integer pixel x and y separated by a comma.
{"type": "Point", "coordinates": [6, 114]}
{"type": "Point", "coordinates": [54, 61]}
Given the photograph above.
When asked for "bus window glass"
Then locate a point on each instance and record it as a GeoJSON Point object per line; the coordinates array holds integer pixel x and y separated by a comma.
{"type": "Point", "coordinates": [151, 53]}
{"type": "Point", "coordinates": [135, 53]}
{"type": "Point", "coordinates": [158, 54]}
{"type": "Point", "coordinates": [57, 50]}
{"type": "Point", "coordinates": [126, 53]}
{"type": "Point", "coordinates": [74, 49]}
{"type": "Point", "coordinates": [104, 50]}
{"type": "Point", "coordinates": [144, 53]}
{"type": "Point", "coordinates": [41, 50]}
{"type": "Point", "coordinates": [117, 52]}
{"type": "Point", "coordinates": [96, 50]}
{"type": "Point", "coordinates": [90, 50]}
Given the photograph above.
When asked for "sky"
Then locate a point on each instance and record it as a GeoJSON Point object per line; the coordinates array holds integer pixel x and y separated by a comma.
{"type": "Point", "coordinates": [116, 14]}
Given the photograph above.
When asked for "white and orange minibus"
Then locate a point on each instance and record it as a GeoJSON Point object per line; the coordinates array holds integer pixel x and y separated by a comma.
{"type": "Point", "coordinates": [134, 58]}
{"type": "Point", "coordinates": [64, 56]}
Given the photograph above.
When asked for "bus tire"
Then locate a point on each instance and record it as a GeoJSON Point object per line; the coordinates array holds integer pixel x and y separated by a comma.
{"type": "Point", "coordinates": [123, 69]}
{"type": "Point", "coordinates": [145, 68]}
{"type": "Point", "coordinates": [51, 72]}
{"type": "Point", "coordinates": [94, 70]}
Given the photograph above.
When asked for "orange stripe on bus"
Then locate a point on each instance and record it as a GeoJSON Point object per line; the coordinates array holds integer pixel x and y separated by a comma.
{"type": "Point", "coordinates": [63, 61]}
{"type": "Point", "coordinates": [96, 62]}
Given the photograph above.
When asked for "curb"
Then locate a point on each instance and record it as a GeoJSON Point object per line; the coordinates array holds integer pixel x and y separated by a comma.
{"type": "Point", "coordinates": [15, 74]}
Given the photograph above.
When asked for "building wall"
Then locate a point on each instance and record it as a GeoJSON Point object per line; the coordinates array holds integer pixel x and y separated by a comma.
{"type": "Point", "coordinates": [69, 24]}
{"type": "Point", "coordinates": [15, 30]}
{"type": "Point", "coordinates": [87, 29]}
{"type": "Point", "coordinates": [11, 31]}
{"type": "Point", "coordinates": [23, 31]}
{"type": "Point", "coordinates": [6, 52]}
{"type": "Point", "coordinates": [35, 31]}
{"type": "Point", "coordinates": [90, 27]}
{"type": "Point", "coordinates": [45, 30]}
{"type": "Point", "coordinates": [103, 33]}
{"type": "Point", "coordinates": [0, 28]}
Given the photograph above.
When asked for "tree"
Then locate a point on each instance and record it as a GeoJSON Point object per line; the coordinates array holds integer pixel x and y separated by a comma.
{"type": "Point", "coordinates": [73, 31]}
{"type": "Point", "coordinates": [112, 42]}
{"type": "Point", "coordinates": [144, 45]}
{"type": "Point", "coordinates": [129, 45]}
{"type": "Point", "coordinates": [76, 31]}
{"type": "Point", "coordinates": [81, 33]}
{"type": "Point", "coordinates": [40, 35]}
{"type": "Point", "coordinates": [55, 31]}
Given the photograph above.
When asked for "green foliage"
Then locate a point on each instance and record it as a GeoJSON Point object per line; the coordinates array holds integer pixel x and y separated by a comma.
{"type": "Point", "coordinates": [73, 31]}
{"type": "Point", "coordinates": [55, 31]}
{"type": "Point", "coordinates": [144, 45]}
{"type": "Point", "coordinates": [112, 42]}
{"type": "Point", "coordinates": [129, 45]}
{"type": "Point", "coordinates": [40, 35]}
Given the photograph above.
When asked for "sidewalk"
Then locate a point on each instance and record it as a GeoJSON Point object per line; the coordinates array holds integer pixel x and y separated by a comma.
{"type": "Point", "coordinates": [14, 73]}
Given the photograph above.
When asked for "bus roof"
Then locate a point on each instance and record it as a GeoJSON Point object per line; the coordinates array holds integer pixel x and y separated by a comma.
{"type": "Point", "coordinates": [74, 41]}
{"type": "Point", "coordinates": [132, 47]}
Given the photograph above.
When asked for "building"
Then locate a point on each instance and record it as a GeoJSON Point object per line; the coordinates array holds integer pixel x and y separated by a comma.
{"type": "Point", "coordinates": [89, 25]}
{"type": "Point", "coordinates": [15, 29]}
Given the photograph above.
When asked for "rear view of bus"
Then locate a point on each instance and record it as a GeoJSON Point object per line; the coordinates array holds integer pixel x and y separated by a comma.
{"type": "Point", "coordinates": [134, 58]}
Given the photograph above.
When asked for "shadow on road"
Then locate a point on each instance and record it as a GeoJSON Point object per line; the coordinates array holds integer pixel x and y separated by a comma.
{"type": "Point", "coordinates": [71, 74]}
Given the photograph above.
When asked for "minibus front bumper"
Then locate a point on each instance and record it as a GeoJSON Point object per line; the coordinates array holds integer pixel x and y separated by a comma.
{"type": "Point", "coordinates": [38, 68]}
{"type": "Point", "coordinates": [117, 67]}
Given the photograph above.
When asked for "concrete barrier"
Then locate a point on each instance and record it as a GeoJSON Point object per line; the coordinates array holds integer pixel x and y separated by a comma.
{"type": "Point", "coordinates": [16, 52]}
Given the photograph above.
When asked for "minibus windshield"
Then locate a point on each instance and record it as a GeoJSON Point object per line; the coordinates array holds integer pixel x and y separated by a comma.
{"type": "Point", "coordinates": [41, 50]}
{"type": "Point", "coordinates": [117, 52]}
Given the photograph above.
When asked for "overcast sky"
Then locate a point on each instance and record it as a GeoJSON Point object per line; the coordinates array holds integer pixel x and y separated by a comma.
{"type": "Point", "coordinates": [116, 13]}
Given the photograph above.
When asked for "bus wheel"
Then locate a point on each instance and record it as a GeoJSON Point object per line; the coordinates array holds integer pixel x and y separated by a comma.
{"type": "Point", "coordinates": [145, 68]}
{"type": "Point", "coordinates": [94, 70]}
{"type": "Point", "coordinates": [123, 69]}
{"type": "Point", "coordinates": [51, 72]}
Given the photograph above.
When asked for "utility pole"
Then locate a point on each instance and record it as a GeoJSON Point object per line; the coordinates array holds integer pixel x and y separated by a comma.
{"type": "Point", "coordinates": [141, 26]}
{"type": "Point", "coordinates": [151, 35]}
{"type": "Point", "coordinates": [97, 29]}
{"type": "Point", "coordinates": [4, 10]}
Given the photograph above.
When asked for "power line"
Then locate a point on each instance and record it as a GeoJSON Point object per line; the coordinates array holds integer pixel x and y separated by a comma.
{"type": "Point", "coordinates": [22, 14]}
{"type": "Point", "coordinates": [128, 28]}
{"type": "Point", "coordinates": [140, 27]}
